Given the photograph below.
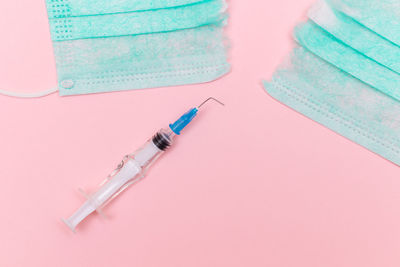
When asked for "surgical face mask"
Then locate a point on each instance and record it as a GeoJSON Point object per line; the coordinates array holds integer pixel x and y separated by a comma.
{"type": "Point", "coordinates": [355, 35]}
{"type": "Point", "coordinates": [381, 16]}
{"type": "Point", "coordinates": [114, 45]}
{"type": "Point", "coordinates": [339, 101]}
{"type": "Point", "coordinates": [321, 43]}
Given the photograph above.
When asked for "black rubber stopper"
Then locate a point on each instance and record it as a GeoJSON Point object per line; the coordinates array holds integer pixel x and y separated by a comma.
{"type": "Point", "coordinates": [161, 141]}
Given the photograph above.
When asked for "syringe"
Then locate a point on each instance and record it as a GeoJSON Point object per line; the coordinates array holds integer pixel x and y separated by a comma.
{"type": "Point", "coordinates": [133, 168]}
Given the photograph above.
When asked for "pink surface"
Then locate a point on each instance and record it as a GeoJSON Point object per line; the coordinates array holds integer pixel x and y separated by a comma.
{"type": "Point", "coordinates": [254, 184]}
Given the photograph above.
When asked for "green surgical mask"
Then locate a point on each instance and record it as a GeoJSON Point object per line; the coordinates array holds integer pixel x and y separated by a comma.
{"type": "Point", "coordinates": [355, 35]}
{"type": "Point", "coordinates": [323, 44]}
{"type": "Point", "coordinates": [114, 45]}
{"type": "Point", "coordinates": [339, 101]}
{"type": "Point", "coordinates": [141, 49]}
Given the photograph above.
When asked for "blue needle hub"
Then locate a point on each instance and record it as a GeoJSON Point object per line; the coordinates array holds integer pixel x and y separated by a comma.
{"type": "Point", "coordinates": [183, 121]}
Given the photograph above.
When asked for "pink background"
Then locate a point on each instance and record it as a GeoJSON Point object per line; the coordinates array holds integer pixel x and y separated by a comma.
{"type": "Point", "coordinates": [252, 184]}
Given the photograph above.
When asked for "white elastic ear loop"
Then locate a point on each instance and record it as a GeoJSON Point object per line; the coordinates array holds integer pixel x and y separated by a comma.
{"type": "Point", "coordinates": [29, 95]}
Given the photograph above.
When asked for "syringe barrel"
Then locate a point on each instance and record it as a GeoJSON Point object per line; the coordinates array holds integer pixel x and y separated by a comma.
{"type": "Point", "coordinates": [130, 171]}
{"type": "Point", "coordinates": [133, 167]}
{"type": "Point", "coordinates": [125, 175]}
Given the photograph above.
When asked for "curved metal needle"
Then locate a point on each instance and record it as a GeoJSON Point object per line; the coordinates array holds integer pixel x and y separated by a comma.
{"type": "Point", "coordinates": [208, 99]}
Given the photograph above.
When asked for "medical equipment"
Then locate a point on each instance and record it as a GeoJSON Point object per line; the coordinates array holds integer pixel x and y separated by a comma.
{"type": "Point", "coordinates": [116, 45]}
{"type": "Point", "coordinates": [133, 168]}
{"type": "Point", "coordinates": [106, 46]}
{"type": "Point", "coordinates": [337, 78]}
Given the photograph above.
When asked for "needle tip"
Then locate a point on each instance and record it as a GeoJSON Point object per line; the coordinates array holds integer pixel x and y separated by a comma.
{"type": "Point", "coordinates": [209, 99]}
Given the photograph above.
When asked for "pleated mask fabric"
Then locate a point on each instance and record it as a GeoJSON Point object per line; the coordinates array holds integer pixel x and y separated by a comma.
{"type": "Point", "coordinates": [321, 43]}
{"type": "Point", "coordinates": [355, 35]}
{"type": "Point", "coordinates": [78, 8]}
{"type": "Point", "coordinates": [141, 61]}
{"type": "Point", "coordinates": [122, 44]}
{"type": "Point", "coordinates": [344, 74]}
{"type": "Point", "coordinates": [380, 16]}
{"type": "Point", "coordinates": [335, 99]}
{"type": "Point", "coordinates": [137, 22]}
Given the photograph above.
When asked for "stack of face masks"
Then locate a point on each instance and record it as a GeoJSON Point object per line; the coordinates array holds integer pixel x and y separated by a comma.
{"type": "Point", "coordinates": [345, 73]}
{"type": "Point", "coordinates": [112, 45]}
